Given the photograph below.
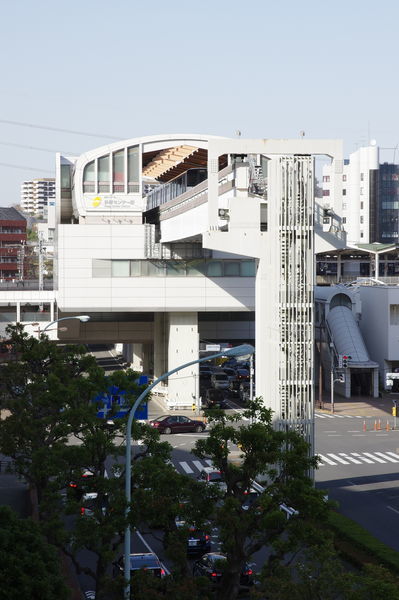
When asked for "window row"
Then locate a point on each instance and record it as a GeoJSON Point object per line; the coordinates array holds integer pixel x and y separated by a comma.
{"type": "Point", "coordinates": [117, 172]}
{"type": "Point", "coordinates": [173, 268]}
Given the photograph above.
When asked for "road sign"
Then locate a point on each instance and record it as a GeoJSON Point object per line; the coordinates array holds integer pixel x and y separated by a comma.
{"type": "Point", "coordinates": [113, 401]}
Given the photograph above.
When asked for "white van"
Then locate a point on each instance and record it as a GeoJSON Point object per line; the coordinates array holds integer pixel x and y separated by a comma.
{"type": "Point", "coordinates": [220, 381]}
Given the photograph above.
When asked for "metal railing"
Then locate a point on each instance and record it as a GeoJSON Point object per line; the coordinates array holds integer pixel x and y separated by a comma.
{"type": "Point", "coordinates": [25, 284]}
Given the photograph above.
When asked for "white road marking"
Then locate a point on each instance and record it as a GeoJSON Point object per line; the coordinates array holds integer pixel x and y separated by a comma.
{"type": "Point", "coordinates": [150, 549]}
{"type": "Point", "coordinates": [367, 460]}
{"type": "Point", "coordinates": [198, 465]}
{"type": "Point", "coordinates": [327, 460]}
{"type": "Point", "coordinates": [394, 509]}
{"type": "Point", "coordinates": [354, 460]}
{"type": "Point", "coordinates": [394, 460]}
{"type": "Point", "coordinates": [374, 457]}
{"type": "Point", "coordinates": [186, 467]}
{"type": "Point", "coordinates": [393, 454]}
{"type": "Point", "coordinates": [338, 458]}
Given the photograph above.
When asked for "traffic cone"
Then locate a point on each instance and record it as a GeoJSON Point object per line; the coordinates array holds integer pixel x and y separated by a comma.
{"type": "Point", "coordinates": [379, 425]}
{"type": "Point", "coordinates": [388, 427]}
{"type": "Point", "coordinates": [375, 425]}
{"type": "Point", "coordinates": [364, 426]}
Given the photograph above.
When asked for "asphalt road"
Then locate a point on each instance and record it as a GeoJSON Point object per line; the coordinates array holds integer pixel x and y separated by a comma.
{"type": "Point", "coordinates": [360, 469]}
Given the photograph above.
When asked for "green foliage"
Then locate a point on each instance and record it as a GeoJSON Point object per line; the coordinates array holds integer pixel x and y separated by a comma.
{"type": "Point", "coordinates": [281, 461]}
{"type": "Point", "coordinates": [360, 545]}
{"type": "Point", "coordinates": [29, 566]}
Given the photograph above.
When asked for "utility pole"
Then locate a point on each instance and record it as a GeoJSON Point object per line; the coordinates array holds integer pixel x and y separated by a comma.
{"type": "Point", "coordinates": [41, 261]}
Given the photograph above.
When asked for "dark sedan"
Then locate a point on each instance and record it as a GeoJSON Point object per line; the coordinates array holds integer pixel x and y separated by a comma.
{"type": "Point", "coordinates": [177, 424]}
{"type": "Point", "coordinates": [211, 566]}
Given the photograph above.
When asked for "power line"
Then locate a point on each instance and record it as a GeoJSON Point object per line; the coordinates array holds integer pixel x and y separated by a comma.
{"type": "Point", "coordinates": [34, 126]}
{"type": "Point", "coordinates": [37, 148]}
{"type": "Point", "coordinates": [25, 168]}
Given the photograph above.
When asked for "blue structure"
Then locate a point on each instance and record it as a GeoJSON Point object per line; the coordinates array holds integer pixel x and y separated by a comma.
{"type": "Point", "coordinates": [114, 401]}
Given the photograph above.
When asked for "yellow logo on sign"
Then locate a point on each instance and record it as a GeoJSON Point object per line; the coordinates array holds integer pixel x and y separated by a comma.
{"type": "Point", "coordinates": [96, 201]}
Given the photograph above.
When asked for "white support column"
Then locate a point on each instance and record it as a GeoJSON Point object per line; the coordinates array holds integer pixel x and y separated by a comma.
{"type": "Point", "coordinates": [183, 347]}
{"type": "Point", "coordinates": [160, 345]}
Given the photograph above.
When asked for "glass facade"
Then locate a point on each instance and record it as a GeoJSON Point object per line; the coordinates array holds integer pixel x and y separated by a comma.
{"type": "Point", "coordinates": [388, 203]}
{"type": "Point", "coordinates": [103, 174]}
{"type": "Point", "coordinates": [89, 178]}
{"type": "Point", "coordinates": [118, 171]}
{"type": "Point", "coordinates": [173, 268]}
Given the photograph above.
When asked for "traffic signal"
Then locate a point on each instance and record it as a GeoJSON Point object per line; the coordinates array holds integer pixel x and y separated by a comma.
{"type": "Point", "coordinates": [345, 359]}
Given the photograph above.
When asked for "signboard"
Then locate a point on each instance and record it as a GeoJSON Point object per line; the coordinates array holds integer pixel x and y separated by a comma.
{"type": "Point", "coordinates": [107, 202]}
{"type": "Point", "coordinates": [114, 400]}
{"type": "Point", "coordinates": [212, 348]}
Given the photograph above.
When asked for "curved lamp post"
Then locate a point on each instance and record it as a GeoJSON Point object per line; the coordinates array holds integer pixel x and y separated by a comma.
{"type": "Point", "coordinates": [242, 350]}
{"type": "Point", "coordinates": [81, 318]}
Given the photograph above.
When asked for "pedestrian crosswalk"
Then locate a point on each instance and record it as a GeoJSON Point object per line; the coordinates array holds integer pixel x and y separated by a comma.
{"type": "Point", "coordinates": [357, 458]}
{"type": "Point", "coordinates": [327, 416]}
{"type": "Point", "coordinates": [194, 467]}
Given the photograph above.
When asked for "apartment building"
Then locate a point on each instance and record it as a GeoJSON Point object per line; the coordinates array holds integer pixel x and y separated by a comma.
{"type": "Point", "coordinates": [12, 244]}
{"type": "Point", "coordinates": [37, 195]}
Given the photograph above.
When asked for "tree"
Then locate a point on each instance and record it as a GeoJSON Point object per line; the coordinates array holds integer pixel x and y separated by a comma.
{"type": "Point", "coordinates": [42, 395]}
{"type": "Point", "coordinates": [280, 458]}
{"type": "Point", "coordinates": [29, 566]}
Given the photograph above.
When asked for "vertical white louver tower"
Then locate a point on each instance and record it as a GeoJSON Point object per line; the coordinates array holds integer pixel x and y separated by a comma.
{"type": "Point", "coordinates": [285, 269]}
{"type": "Point", "coordinates": [284, 290]}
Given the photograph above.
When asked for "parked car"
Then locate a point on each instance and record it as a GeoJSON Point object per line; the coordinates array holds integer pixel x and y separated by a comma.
{"type": "Point", "coordinates": [176, 424]}
{"type": "Point", "coordinates": [214, 398]}
{"type": "Point", "coordinates": [90, 503]}
{"type": "Point", "coordinates": [148, 561]}
{"type": "Point", "coordinates": [230, 372]}
{"type": "Point", "coordinates": [198, 541]}
{"type": "Point", "coordinates": [242, 374]}
{"type": "Point", "coordinates": [81, 484]}
{"type": "Point", "coordinates": [220, 381]}
{"type": "Point", "coordinates": [213, 477]}
{"type": "Point", "coordinates": [210, 565]}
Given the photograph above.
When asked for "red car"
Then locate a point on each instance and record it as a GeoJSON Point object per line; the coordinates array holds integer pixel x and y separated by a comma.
{"type": "Point", "coordinates": [177, 424]}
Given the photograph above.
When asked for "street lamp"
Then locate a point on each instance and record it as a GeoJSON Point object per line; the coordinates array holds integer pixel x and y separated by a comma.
{"type": "Point", "coordinates": [81, 318]}
{"type": "Point", "coordinates": [243, 350]}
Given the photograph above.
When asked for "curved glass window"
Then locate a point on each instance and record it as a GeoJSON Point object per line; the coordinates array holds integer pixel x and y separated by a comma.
{"type": "Point", "coordinates": [133, 176]}
{"type": "Point", "coordinates": [89, 181]}
{"type": "Point", "coordinates": [118, 169]}
{"type": "Point", "coordinates": [103, 174]}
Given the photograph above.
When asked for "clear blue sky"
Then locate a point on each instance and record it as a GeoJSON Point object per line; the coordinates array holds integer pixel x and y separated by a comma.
{"type": "Point", "coordinates": [126, 68]}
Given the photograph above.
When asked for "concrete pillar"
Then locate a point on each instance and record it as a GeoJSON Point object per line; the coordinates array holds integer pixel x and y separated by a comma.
{"type": "Point", "coordinates": [183, 347]}
{"type": "Point", "coordinates": [147, 359]}
{"type": "Point", "coordinates": [377, 262]}
{"type": "Point", "coordinates": [339, 268]}
{"type": "Point", "coordinates": [133, 354]}
{"type": "Point", "coordinates": [375, 382]}
{"type": "Point", "coordinates": [160, 344]}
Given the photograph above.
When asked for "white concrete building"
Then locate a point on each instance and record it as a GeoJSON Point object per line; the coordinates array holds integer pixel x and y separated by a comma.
{"type": "Point", "coordinates": [37, 195]}
{"type": "Point", "coordinates": [354, 198]}
{"type": "Point", "coordinates": [159, 238]}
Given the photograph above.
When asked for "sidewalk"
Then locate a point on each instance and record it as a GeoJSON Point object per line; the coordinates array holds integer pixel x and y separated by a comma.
{"type": "Point", "coordinates": [364, 406]}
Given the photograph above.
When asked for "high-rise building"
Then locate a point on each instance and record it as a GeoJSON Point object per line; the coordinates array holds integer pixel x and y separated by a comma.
{"type": "Point", "coordinates": [366, 199]}
{"type": "Point", "coordinates": [37, 195]}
